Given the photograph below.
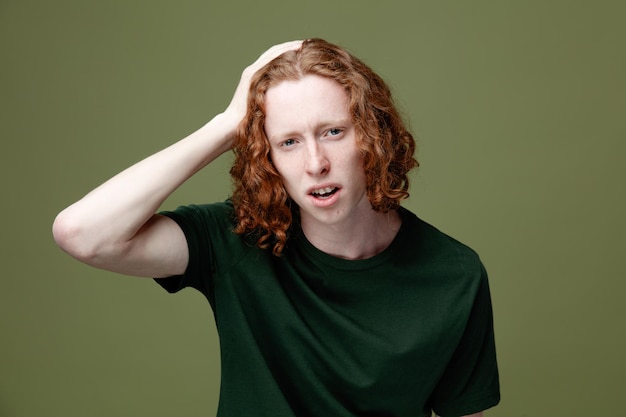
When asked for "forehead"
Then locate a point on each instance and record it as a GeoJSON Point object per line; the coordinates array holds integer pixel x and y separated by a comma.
{"type": "Point", "coordinates": [301, 103]}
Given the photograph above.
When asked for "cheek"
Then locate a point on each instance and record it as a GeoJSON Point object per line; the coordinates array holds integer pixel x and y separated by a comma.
{"type": "Point", "coordinates": [284, 173]}
{"type": "Point", "coordinates": [354, 163]}
{"type": "Point", "coordinates": [275, 160]}
{"type": "Point", "coordinates": [283, 166]}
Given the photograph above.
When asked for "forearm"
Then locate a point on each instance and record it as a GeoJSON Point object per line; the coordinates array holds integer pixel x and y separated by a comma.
{"type": "Point", "coordinates": [115, 211]}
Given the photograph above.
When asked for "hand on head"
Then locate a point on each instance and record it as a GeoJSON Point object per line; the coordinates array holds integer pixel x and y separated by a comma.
{"type": "Point", "coordinates": [237, 106]}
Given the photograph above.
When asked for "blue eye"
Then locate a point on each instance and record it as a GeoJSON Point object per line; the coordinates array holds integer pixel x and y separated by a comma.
{"type": "Point", "coordinates": [289, 142]}
{"type": "Point", "coordinates": [334, 132]}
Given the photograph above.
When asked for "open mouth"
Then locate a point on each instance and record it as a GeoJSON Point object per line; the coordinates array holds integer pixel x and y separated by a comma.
{"type": "Point", "coordinates": [324, 192]}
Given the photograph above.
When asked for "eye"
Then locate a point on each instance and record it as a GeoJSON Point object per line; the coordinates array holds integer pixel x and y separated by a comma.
{"type": "Point", "coordinates": [335, 132]}
{"type": "Point", "coordinates": [288, 143]}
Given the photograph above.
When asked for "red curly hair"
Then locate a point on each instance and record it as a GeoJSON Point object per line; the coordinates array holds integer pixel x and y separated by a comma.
{"type": "Point", "coordinates": [262, 205]}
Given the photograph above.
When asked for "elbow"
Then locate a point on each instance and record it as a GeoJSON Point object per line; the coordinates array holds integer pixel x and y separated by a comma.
{"type": "Point", "coordinates": [70, 235]}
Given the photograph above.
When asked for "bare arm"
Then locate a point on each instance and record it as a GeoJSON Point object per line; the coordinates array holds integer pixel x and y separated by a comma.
{"type": "Point", "coordinates": [115, 227]}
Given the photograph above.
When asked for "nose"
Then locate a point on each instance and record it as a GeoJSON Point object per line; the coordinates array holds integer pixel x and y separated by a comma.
{"type": "Point", "coordinates": [316, 161]}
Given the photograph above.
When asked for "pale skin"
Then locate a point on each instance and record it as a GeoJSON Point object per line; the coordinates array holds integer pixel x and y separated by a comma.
{"type": "Point", "coordinates": [313, 147]}
{"type": "Point", "coordinates": [115, 227]}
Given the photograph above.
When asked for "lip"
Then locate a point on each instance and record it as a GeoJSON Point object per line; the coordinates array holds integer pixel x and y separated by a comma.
{"type": "Point", "coordinates": [323, 202]}
{"type": "Point", "coordinates": [322, 186]}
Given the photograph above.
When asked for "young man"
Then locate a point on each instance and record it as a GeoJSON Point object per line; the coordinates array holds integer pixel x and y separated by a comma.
{"type": "Point", "coordinates": [330, 298]}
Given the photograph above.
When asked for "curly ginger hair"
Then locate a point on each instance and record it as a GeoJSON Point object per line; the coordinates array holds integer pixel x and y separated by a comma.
{"type": "Point", "coordinates": [262, 206]}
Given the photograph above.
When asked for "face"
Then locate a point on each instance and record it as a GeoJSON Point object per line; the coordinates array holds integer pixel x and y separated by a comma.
{"type": "Point", "coordinates": [313, 147]}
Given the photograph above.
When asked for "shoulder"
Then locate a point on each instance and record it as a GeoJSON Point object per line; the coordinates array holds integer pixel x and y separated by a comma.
{"type": "Point", "coordinates": [436, 251]}
{"type": "Point", "coordinates": [431, 239]}
{"type": "Point", "coordinates": [222, 211]}
{"type": "Point", "coordinates": [210, 227]}
{"type": "Point", "coordinates": [215, 219]}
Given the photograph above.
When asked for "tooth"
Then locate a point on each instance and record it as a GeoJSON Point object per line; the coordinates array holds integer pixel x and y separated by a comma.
{"type": "Point", "coordinates": [323, 190]}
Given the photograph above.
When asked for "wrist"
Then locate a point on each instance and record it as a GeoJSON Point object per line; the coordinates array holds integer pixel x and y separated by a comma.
{"type": "Point", "coordinates": [221, 130]}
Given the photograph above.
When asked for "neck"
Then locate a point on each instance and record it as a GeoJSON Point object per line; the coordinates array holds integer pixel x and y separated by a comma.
{"type": "Point", "coordinates": [362, 238]}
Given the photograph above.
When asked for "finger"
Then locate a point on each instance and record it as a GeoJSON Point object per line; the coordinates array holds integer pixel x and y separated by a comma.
{"type": "Point", "coordinates": [276, 51]}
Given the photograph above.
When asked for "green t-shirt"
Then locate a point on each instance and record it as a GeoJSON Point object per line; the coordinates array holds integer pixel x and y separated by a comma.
{"type": "Point", "coordinates": [403, 333]}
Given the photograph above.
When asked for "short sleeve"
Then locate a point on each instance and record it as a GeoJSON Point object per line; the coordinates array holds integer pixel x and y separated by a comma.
{"type": "Point", "coordinates": [470, 383]}
{"type": "Point", "coordinates": [196, 223]}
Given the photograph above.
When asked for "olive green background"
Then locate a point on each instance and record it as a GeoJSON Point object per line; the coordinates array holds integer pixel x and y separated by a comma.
{"type": "Point", "coordinates": [519, 112]}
